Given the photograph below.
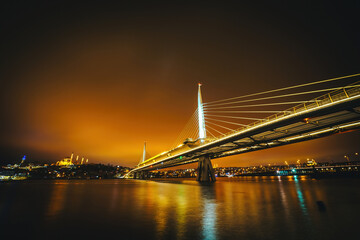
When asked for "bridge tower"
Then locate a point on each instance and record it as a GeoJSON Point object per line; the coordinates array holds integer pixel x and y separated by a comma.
{"type": "Point", "coordinates": [202, 129]}
{"type": "Point", "coordinates": [141, 174]}
{"type": "Point", "coordinates": [143, 158]}
{"type": "Point", "coordinates": [144, 154]}
{"type": "Point", "coordinates": [205, 171]}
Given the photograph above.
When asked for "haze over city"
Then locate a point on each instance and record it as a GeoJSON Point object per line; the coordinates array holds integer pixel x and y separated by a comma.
{"type": "Point", "coordinates": [99, 80]}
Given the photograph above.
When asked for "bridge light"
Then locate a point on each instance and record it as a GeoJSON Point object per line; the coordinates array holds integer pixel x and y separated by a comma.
{"type": "Point", "coordinates": [180, 157]}
{"type": "Point", "coordinates": [306, 120]}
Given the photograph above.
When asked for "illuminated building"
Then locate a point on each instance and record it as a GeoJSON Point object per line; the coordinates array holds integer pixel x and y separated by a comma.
{"type": "Point", "coordinates": [65, 162]}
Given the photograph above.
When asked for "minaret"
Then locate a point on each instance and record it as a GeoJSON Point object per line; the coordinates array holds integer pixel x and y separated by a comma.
{"type": "Point", "coordinates": [202, 129]}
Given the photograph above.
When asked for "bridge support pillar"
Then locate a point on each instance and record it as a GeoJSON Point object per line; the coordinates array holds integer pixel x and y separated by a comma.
{"type": "Point", "coordinates": [142, 175]}
{"type": "Point", "coordinates": [205, 171]}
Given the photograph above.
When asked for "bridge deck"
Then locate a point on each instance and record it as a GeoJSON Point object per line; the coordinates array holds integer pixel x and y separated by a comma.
{"type": "Point", "coordinates": [328, 114]}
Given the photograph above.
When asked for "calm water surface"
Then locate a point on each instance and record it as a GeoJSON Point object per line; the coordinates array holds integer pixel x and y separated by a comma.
{"type": "Point", "coordinates": [231, 208]}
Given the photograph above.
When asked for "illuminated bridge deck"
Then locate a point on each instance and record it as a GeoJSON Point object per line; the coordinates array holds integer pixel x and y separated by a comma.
{"type": "Point", "coordinates": [331, 113]}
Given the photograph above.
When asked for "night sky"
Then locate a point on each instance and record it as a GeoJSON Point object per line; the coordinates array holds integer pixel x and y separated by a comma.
{"type": "Point", "coordinates": [99, 79]}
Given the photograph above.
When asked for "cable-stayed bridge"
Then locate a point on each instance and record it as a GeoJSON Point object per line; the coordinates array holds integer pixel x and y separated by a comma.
{"type": "Point", "coordinates": [210, 132]}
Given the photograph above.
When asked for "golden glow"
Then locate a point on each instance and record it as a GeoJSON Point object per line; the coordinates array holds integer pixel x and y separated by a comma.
{"type": "Point", "coordinates": [108, 120]}
{"type": "Point", "coordinates": [100, 84]}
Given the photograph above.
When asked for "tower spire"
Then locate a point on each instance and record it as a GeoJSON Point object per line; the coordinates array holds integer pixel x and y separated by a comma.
{"type": "Point", "coordinates": [144, 153]}
{"type": "Point", "coordinates": [202, 129]}
{"type": "Point", "coordinates": [143, 158]}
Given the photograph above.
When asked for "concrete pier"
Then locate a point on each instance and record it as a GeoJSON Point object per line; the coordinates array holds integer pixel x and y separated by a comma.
{"type": "Point", "coordinates": [205, 171]}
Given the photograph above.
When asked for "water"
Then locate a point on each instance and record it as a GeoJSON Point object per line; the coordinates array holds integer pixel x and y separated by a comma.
{"type": "Point", "coordinates": [231, 208]}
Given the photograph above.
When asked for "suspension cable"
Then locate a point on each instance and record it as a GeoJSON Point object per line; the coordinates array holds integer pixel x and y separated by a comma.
{"type": "Point", "coordinates": [185, 130]}
{"type": "Point", "coordinates": [239, 124]}
{"type": "Point", "coordinates": [221, 126]}
{"type": "Point", "coordinates": [216, 130]}
{"type": "Point", "coordinates": [193, 132]}
{"type": "Point", "coordinates": [188, 129]}
{"type": "Point", "coordinates": [257, 105]}
{"type": "Point", "coordinates": [223, 116]}
{"type": "Point", "coordinates": [286, 88]}
{"type": "Point", "coordinates": [286, 95]}
{"type": "Point", "coordinates": [246, 111]}
{"type": "Point", "coordinates": [207, 130]}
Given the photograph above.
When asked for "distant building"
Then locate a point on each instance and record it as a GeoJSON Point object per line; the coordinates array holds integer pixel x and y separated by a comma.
{"type": "Point", "coordinates": [65, 162]}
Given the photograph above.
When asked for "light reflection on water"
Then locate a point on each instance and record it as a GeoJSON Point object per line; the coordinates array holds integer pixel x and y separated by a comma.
{"type": "Point", "coordinates": [209, 215]}
{"type": "Point", "coordinates": [300, 195]}
{"type": "Point", "coordinates": [57, 199]}
{"type": "Point", "coordinates": [247, 208]}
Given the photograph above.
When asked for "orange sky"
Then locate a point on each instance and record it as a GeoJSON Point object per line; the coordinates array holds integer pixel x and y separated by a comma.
{"type": "Point", "coordinates": [102, 82]}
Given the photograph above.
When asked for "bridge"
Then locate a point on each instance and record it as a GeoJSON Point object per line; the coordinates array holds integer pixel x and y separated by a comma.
{"type": "Point", "coordinates": [338, 110]}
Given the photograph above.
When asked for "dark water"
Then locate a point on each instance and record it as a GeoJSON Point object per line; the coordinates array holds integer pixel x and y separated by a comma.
{"type": "Point", "coordinates": [242, 208]}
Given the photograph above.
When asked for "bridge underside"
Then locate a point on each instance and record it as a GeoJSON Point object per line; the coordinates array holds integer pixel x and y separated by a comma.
{"type": "Point", "coordinates": [303, 126]}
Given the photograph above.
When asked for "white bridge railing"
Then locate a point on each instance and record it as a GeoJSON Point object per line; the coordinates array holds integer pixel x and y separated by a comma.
{"type": "Point", "coordinates": [329, 98]}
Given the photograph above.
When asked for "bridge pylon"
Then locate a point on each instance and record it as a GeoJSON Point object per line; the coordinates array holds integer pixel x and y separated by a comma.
{"type": "Point", "coordinates": [202, 129]}
{"type": "Point", "coordinates": [143, 158]}
{"type": "Point", "coordinates": [205, 170]}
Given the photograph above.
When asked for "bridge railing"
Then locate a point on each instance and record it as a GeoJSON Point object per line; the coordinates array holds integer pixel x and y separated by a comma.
{"type": "Point", "coordinates": [331, 97]}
